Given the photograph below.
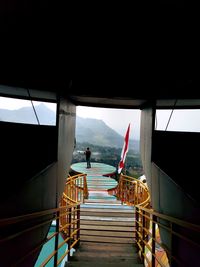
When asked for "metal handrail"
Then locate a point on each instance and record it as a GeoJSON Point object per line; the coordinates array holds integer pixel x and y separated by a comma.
{"type": "Point", "coordinates": [67, 218]}
{"type": "Point", "coordinates": [150, 227]}
{"type": "Point", "coordinates": [76, 190]}
{"type": "Point", "coordinates": [147, 223]}
{"type": "Point", "coordinates": [131, 191]}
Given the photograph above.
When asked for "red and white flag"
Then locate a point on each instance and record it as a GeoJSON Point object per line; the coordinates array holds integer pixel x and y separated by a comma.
{"type": "Point", "coordinates": [124, 150]}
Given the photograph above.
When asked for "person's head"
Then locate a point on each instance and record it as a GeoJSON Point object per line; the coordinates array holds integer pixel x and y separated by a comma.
{"type": "Point", "coordinates": [88, 148]}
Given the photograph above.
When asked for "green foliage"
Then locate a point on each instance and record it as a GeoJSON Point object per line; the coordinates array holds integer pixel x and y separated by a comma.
{"type": "Point", "coordinates": [111, 156]}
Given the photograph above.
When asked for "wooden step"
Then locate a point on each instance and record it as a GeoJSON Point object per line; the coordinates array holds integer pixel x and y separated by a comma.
{"type": "Point", "coordinates": [100, 200]}
{"type": "Point", "coordinates": [109, 232]}
{"type": "Point", "coordinates": [108, 223]}
{"type": "Point", "coordinates": [118, 209]}
{"type": "Point", "coordinates": [91, 254]}
{"type": "Point", "coordinates": [106, 214]}
{"type": "Point", "coordinates": [127, 263]}
{"type": "Point", "coordinates": [106, 239]}
{"type": "Point", "coordinates": [92, 246]}
{"type": "Point", "coordinates": [106, 254]}
{"type": "Point", "coordinates": [108, 218]}
{"type": "Point", "coordinates": [105, 227]}
{"type": "Point", "coordinates": [109, 206]}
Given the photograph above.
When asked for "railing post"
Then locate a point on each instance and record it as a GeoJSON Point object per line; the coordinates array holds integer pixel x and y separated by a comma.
{"type": "Point", "coordinates": [143, 236]}
{"type": "Point", "coordinates": [171, 244]}
{"type": "Point", "coordinates": [135, 193]}
{"type": "Point", "coordinates": [153, 240]}
{"type": "Point", "coordinates": [56, 239]}
{"type": "Point", "coordinates": [78, 224]}
{"type": "Point", "coordinates": [137, 226]}
{"type": "Point", "coordinates": [69, 231]}
{"type": "Point", "coordinates": [76, 189]}
{"type": "Point", "coordinates": [84, 187]}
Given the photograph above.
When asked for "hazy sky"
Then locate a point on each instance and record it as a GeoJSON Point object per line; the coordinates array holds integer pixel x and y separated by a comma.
{"type": "Point", "coordinates": [11, 103]}
{"type": "Point", "coordinates": [181, 120]}
{"type": "Point", "coordinates": [117, 119]}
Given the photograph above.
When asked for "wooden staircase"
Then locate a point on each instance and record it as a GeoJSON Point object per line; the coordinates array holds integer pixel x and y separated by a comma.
{"type": "Point", "coordinates": [107, 231]}
{"type": "Point", "coordinates": [92, 254]}
{"type": "Point", "coordinates": [107, 222]}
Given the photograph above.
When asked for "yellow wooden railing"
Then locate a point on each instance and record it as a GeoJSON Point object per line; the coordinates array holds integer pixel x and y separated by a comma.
{"type": "Point", "coordinates": [67, 218]}
{"type": "Point", "coordinates": [131, 191]}
{"type": "Point", "coordinates": [163, 240]}
{"type": "Point", "coordinates": [149, 225]}
{"type": "Point", "coordinates": [157, 235]}
{"type": "Point", "coordinates": [75, 193]}
{"type": "Point", "coordinates": [76, 189]}
{"type": "Point", "coordinates": [30, 223]}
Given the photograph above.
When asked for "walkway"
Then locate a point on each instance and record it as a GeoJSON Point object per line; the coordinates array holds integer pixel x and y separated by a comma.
{"type": "Point", "coordinates": [107, 227]}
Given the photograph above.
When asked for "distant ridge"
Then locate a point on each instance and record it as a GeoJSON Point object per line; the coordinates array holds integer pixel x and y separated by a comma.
{"type": "Point", "coordinates": [88, 130]}
{"type": "Point", "coordinates": [96, 132]}
{"type": "Point", "coordinates": [26, 115]}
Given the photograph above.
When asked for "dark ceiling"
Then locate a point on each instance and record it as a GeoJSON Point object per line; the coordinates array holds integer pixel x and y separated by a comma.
{"type": "Point", "coordinates": [35, 44]}
{"type": "Point", "coordinates": [36, 53]}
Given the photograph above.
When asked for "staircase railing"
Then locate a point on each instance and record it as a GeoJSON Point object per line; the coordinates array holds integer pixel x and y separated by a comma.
{"type": "Point", "coordinates": [76, 189]}
{"type": "Point", "coordinates": [155, 247]}
{"type": "Point", "coordinates": [131, 191]}
{"type": "Point", "coordinates": [66, 218]}
{"type": "Point", "coordinates": [166, 241]}
{"type": "Point", "coordinates": [76, 192]}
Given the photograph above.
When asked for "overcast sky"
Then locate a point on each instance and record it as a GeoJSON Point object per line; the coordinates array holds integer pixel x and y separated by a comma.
{"type": "Point", "coordinates": [118, 119]}
{"type": "Point", "coordinates": [12, 103]}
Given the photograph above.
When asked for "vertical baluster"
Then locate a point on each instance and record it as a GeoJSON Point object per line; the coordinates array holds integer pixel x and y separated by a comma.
{"type": "Point", "coordinates": [56, 239]}
{"type": "Point", "coordinates": [137, 225]}
{"type": "Point", "coordinates": [143, 235]}
{"type": "Point", "coordinates": [136, 192]}
{"type": "Point", "coordinates": [69, 231]}
{"type": "Point", "coordinates": [153, 240]}
{"type": "Point", "coordinates": [78, 224]}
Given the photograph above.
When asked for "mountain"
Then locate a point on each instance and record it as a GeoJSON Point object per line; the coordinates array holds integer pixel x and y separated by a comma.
{"type": "Point", "coordinates": [96, 132]}
{"type": "Point", "coordinates": [27, 115]}
{"type": "Point", "coordinates": [91, 131]}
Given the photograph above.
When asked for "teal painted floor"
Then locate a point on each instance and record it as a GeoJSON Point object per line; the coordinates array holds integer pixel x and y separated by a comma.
{"type": "Point", "coordinates": [96, 168]}
{"type": "Point", "coordinates": [97, 186]}
{"type": "Point", "coordinates": [96, 181]}
{"type": "Point", "coordinates": [49, 248]}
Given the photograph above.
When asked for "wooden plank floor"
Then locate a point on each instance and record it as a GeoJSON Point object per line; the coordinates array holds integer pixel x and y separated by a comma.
{"type": "Point", "coordinates": [95, 254]}
{"type": "Point", "coordinates": [107, 230]}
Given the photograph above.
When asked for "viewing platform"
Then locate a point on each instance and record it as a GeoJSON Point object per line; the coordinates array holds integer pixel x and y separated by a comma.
{"type": "Point", "coordinates": [96, 168]}
{"type": "Point", "coordinates": [98, 178]}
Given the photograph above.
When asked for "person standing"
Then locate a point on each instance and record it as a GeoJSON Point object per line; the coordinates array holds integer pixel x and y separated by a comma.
{"type": "Point", "coordinates": [88, 156]}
